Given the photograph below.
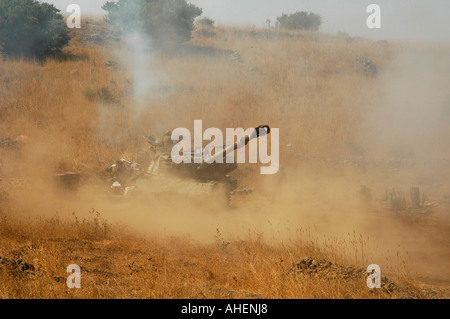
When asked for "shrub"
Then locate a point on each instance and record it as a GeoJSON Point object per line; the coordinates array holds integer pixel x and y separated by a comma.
{"type": "Point", "coordinates": [31, 29]}
{"type": "Point", "coordinates": [205, 22]}
{"type": "Point", "coordinates": [163, 20]}
{"type": "Point", "coordinates": [299, 21]}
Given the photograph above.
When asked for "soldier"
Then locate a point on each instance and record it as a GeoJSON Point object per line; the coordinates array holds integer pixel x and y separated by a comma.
{"type": "Point", "coordinates": [145, 156]}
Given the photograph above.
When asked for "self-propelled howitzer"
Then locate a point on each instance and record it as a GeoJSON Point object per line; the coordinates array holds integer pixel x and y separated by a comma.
{"type": "Point", "coordinates": [159, 174]}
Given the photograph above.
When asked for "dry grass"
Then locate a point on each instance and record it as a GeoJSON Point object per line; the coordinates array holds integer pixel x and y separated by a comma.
{"type": "Point", "coordinates": [309, 85]}
{"type": "Point", "coordinates": [117, 264]}
{"type": "Point", "coordinates": [80, 116]}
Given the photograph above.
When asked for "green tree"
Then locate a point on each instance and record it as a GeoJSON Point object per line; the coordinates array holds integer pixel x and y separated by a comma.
{"type": "Point", "coordinates": [163, 20]}
{"type": "Point", "coordinates": [31, 29]}
{"type": "Point", "coordinates": [299, 21]}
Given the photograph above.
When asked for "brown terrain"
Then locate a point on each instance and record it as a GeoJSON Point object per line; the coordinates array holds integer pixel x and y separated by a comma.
{"type": "Point", "coordinates": [354, 142]}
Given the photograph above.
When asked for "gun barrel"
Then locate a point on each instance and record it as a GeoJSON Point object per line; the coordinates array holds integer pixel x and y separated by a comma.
{"type": "Point", "coordinates": [257, 132]}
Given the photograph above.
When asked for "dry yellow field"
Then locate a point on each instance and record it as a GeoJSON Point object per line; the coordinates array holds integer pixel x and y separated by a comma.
{"type": "Point", "coordinates": [342, 131]}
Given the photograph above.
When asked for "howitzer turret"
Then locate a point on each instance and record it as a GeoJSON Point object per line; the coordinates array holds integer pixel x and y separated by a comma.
{"type": "Point", "coordinates": [216, 167]}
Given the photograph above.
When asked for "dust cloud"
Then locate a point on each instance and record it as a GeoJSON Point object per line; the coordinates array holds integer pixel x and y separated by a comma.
{"type": "Point", "coordinates": [410, 118]}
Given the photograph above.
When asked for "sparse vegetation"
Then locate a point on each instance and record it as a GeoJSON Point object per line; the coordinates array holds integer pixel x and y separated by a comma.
{"type": "Point", "coordinates": [118, 264]}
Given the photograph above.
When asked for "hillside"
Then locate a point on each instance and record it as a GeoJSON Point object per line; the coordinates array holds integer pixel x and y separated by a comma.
{"type": "Point", "coordinates": [353, 134]}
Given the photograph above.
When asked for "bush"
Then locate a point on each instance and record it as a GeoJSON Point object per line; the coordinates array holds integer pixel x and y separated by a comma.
{"type": "Point", "coordinates": [31, 29]}
{"type": "Point", "coordinates": [205, 22]}
{"type": "Point", "coordinates": [299, 21]}
{"type": "Point", "coordinates": [163, 20]}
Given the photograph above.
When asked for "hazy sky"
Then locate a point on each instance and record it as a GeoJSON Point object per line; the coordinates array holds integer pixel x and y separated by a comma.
{"type": "Point", "coordinates": [422, 20]}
